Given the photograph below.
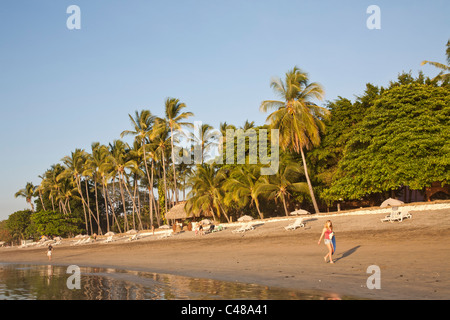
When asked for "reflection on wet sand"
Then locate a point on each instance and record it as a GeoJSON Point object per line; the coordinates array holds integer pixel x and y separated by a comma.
{"type": "Point", "coordinates": [50, 283]}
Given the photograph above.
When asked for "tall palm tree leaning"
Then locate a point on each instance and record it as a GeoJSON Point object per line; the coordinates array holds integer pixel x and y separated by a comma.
{"type": "Point", "coordinates": [441, 76]}
{"type": "Point", "coordinates": [298, 119]}
{"type": "Point", "coordinates": [28, 193]}
{"type": "Point", "coordinates": [175, 118]}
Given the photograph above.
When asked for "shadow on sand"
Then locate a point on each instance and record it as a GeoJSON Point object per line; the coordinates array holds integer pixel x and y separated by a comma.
{"type": "Point", "coordinates": [347, 253]}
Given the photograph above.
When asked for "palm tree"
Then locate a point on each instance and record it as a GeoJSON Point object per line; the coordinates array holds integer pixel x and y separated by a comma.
{"type": "Point", "coordinates": [40, 190]}
{"type": "Point", "coordinates": [444, 68]}
{"type": "Point", "coordinates": [50, 182]}
{"type": "Point", "coordinates": [207, 192]}
{"type": "Point", "coordinates": [66, 190]}
{"type": "Point", "coordinates": [106, 171]}
{"type": "Point", "coordinates": [143, 123]}
{"type": "Point", "coordinates": [74, 167]}
{"type": "Point", "coordinates": [120, 162]}
{"type": "Point", "coordinates": [161, 142]}
{"type": "Point", "coordinates": [281, 185]}
{"type": "Point", "coordinates": [208, 139]}
{"type": "Point", "coordinates": [223, 127]}
{"type": "Point", "coordinates": [28, 193]}
{"type": "Point", "coordinates": [248, 125]}
{"type": "Point", "coordinates": [175, 118]}
{"type": "Point", "coordinates": [298, 120]}
{"type": "Point", "coordinates": [244, 186]}
{"type": "Point", "coordinates": [92, 169]}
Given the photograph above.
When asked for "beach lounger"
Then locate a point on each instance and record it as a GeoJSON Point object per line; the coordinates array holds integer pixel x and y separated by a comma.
{"type": "Point", "coordinates": [392, 215]}
{"type": "Point", "coordinates": [244, 228]}
{"type": "Point", "coordinates": [77, 242]}
{"type": "Point", "coordinates": [219, 228]}
{"type": "Point", "coordinates": [296, 224]}
{"type": "Point", "coordinates": [400, 215]}
{"type": "Point", "coordinates": [165, 235]}
{"type": "Point", "coordinates": [109, 239]}
{"type": "Point", "coordinates": [134, 237]}
{"type": "Point", "coordinates": [87, 240]}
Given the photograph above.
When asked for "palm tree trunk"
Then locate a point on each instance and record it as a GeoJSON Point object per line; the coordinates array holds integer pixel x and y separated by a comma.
{"type": "Point", "coordinates": [173, 166]}
{"type": "Point", "coordinates": [106, 205]}
{"type": "Point", "coordinates": [150, 189]}
{"type": "Point", "coordinates": [284, 205]}
{"type": "Point", "coordinates": [31, 205]}
{"type": "Point", "coordinates": [311, 192]}
{"type": "Point", "coordinates": [114, 218]}
{"type": "Point", "coordinates": [78, 183]}
{"type": "Point", "coordinates": [99, 229]}
{"type": "Point", "coordinates": [165, 184]}
{"type": "Point", "coordinates": [132, 200]}
{"type": "Point", "coordinates": [138, 213]}
{"type": "Point", "coordinates": [68, 205]}
{"type": "Point", "coordinates": [42, 202]}
{"type": "Point", "coordinates": [261, 215]}
{"type": "Point", "coordinates": [224, 212]}
{"type": "Point", "coordinates": [88, 206]}
{"type": "Point", "coordinates": [124, 204]}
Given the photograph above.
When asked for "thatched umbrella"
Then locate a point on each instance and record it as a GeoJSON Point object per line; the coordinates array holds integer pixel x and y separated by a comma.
{"type": "Point", "coordinates": [391, 202]}
{"type": "Point", "coordinates": [298, 212]}
{"type": "Point", "coordinates": [245, 218]}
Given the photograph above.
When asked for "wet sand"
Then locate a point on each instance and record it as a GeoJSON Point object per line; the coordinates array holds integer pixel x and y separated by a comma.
{"type": "Point", "coordinates": [413, 256]}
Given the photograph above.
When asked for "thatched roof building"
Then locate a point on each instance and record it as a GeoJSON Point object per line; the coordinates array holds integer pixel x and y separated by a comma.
{"type": "Point", "coordinates": [178, 212]}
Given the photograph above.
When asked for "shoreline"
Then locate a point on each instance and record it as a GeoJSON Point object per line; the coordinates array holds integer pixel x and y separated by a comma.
{"type": "Point", "coordinates": [412, 255]}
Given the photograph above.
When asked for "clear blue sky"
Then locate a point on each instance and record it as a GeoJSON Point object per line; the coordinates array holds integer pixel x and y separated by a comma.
{"type": "Point", "coordinates": [63, 89]}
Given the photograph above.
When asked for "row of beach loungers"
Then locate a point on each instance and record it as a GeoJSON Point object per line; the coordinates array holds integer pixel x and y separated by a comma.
{"type": "Point", "coordinates": [395, 215]}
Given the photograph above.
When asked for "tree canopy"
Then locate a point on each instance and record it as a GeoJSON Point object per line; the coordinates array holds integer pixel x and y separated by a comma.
{"type": "Point", "coordinates": [403, 140]}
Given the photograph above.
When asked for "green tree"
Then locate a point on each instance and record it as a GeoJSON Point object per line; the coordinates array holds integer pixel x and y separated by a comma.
{"type": "Point", "coordinates": [298, 119]}
{"type": "Point", "coordinates": [18, 224]}
{"type": "Point", "coordinates": [51, 223]}
{"type": "Point", "coordinates": [404, 140]}
{"type": "Point", "coordinates": [343, 119]}
{"type": "Point", "coordinates": [28, 193]}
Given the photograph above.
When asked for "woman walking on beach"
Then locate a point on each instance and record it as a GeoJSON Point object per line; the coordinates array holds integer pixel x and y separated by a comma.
{"type": "Point", "coordinates": [328, 234]}
{"type": "Point", "coordinates": [49, 252]}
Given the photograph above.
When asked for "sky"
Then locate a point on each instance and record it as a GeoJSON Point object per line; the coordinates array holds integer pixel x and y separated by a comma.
{"type": "Point", "coordinates": [62, 88]}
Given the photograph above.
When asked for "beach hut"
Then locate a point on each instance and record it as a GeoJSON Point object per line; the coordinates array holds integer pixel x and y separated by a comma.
{"type": "Point", "coordinates": [177, 212]}
{"type": "Point", "coordinates": [391, 202]}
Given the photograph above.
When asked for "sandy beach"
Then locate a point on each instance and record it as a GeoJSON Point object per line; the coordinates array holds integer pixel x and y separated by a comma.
{"type": "Point", "coordinates": [412, 255]}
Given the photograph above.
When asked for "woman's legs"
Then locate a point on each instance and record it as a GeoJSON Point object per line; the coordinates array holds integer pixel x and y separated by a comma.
{"type": "Point", "coordinates": [330, 252]}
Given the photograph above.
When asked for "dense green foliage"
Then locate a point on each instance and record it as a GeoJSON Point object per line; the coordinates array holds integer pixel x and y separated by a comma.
{"type": "Point", "coordinates": [387, 139]}
{"type": "Point", "coordinates": [51, 223]}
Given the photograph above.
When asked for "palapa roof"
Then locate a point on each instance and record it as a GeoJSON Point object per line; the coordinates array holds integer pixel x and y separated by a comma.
{"type": "Point", "coordinates": [178, 212]}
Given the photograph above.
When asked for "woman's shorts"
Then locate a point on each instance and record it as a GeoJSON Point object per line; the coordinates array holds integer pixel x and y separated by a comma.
{"type": "Point", "coordinates": [327, 241]}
